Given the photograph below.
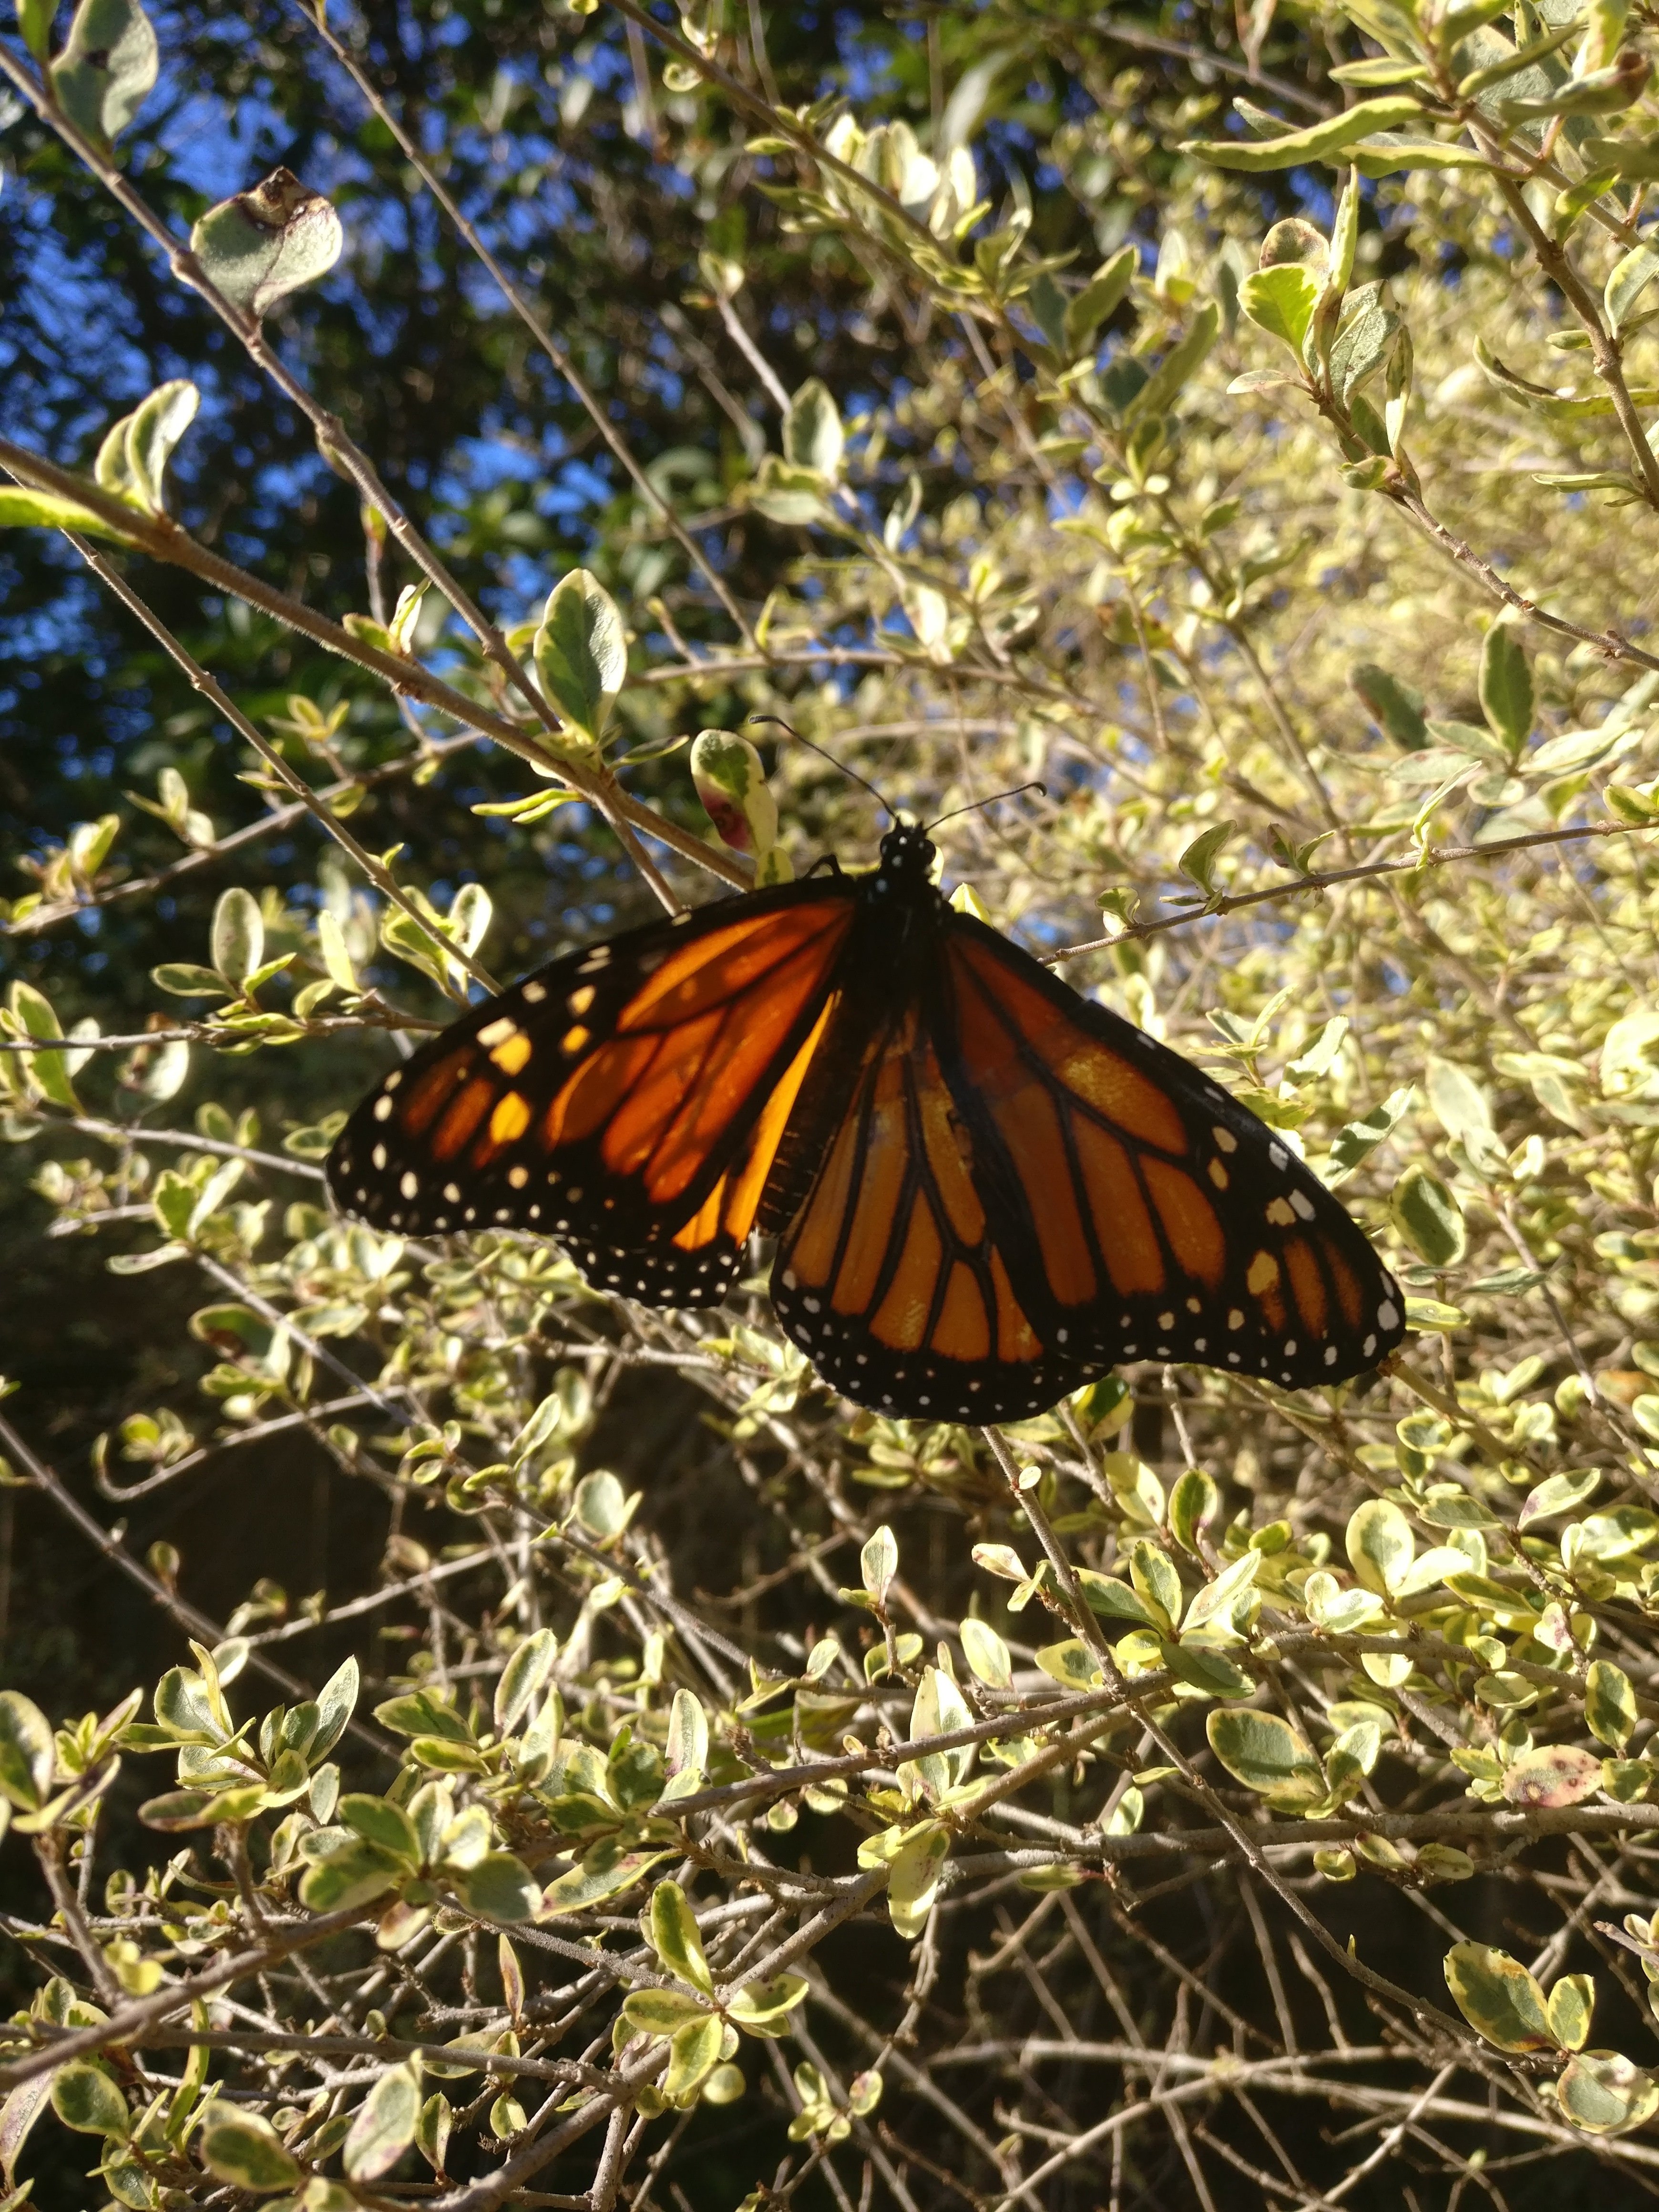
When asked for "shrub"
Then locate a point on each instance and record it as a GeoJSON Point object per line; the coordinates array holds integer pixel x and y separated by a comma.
{"type": "Point", "coordinates": [688, 1785]}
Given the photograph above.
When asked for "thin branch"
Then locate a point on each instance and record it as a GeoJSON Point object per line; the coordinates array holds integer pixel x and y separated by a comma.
{"type": "Point", "coordinates": [1328, 879]}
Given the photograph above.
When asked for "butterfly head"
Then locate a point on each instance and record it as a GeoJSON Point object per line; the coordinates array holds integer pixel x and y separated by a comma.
{"type": "Point", "coordinates": [906, 857]}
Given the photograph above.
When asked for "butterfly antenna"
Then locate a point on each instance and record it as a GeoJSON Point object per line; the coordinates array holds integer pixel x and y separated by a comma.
{"type": "Point", "coordinates": [1019, 791]}
{"type": "Point", "coordinates": [778, 722]}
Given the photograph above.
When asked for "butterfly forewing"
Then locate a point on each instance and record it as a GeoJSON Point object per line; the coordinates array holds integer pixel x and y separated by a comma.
{"type": "Point", "coordinates": [1170, 1223]}
{"type": "Point", "coordinates": [625, 1099]}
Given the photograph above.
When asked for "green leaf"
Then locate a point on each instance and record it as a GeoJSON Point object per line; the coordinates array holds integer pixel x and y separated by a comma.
{"type": "Point", "coordinates": [181, 979]}
{"type": "Point", "coordinates": [1281, 302]}
{"type": "Point", "coordinates": [108, 66]}
{"type": "Point", "coordinates": [1631, 275]}
{"type": "Point", "coordinates": [524, 1676]}
{"type": "Point", "coordinates": [1627, 157]}
{"type": "Point", "coordinates": [581, 653]}
{"type": "Point", "coordinates": [1206, 1671]}
{"type": "Point", "coordinates": [28, 1752]}
{"type": "Point", "coordinates": [662, 2012]}
{"type": "Point", "coordinates": [1434, 1313]}
{"type": "Point", "coordinates": [1506, 693]}
{"type": "Point", "coordinates": [176, 1810]}
{"type": "Point", "coordinates": [1318, 142]}
{"type": "Point", "coordinates": [1601, 92]}
{"type": "Point", "coordinates": [185, 1707]}
{"type": "Point", "coordinates": [812, 435]}
{"type": "Point", "coordinates": [258, 246]}
{"type": "Point", "coordinates": [378, 1821]}
{"type": "Point", "coordinates": [694, 2053]}
{"type": "Point", "coordinates": [245, 2150]}
{"type": "Point", "coordinates": [133, 457]}
{"type": "Point", "coordinates": [913, 1877]}
{"type": "Point", "coordinates": [423, 1712]}
{"type": "Point", "coordinates": [1571, 2003]}
{"type": "Point", "coordinates": [730, 779]}
{"type": "Point", "coordinates": [463, 1842]}
{"type": "Point", "coordinates": [985, 1653]}
{"type": "Point", "coordinates": [878, 1563]}
{"type": "Point", "coordinates": [1215, 1600]}
{"type": "Point", "coordinates": [1428, 1217]}
{"type": "Point", "coordinates": [762, 2007]}
{"type": "Point", "coordinates": [1100, 298]}
{"type": "Point", "coordinates": [1116, 1600]}
{"type": "Point", "coordinates": [21, 508]}
{"type": "Point", "coordinates": [1397, 706]}
{"type": "Point", "coordinates": [687, 1735]}
{"type": "Point", "coordinates": [34, 21]}
{"type": "Point", "coordinates": [1048, 304]}
{"type": "Point", "coordinates": [1460, 1104]}
{"type": "Point", "coordinates": [84, 2098]}
{"type": "Point", "coordinates": [467, 2054]}
{"type": "Point", "coordinates": [1194, 1504]}
{"type": "Point", "coordinates": [1379, 1546]}
{"type": "Point", "coordinates": [1266, 1754]}
{"type": "Point", "coordinates": [1071, 1663]}
{"type": "Point", "coordinates": [604, 1870]}
{"type": "Point", "coordinates": [673, 1933]}
{"type": "Point", "coordinates": [385, 2125]}
{"type": "Point", "coordinates": [500, 1888]}
{"type": "Point", "coordinates": [1605, 2093]}
{"type": "Point", "coordinates": [601, 1505]}
{"type": "Point", "coordinates": [1357, 1140]}
{"type": "Point", "coordinates": [353, 1875]}
{"type": "Point", "coordinates": [1497, 1998]}
{"type": "Point", "coordinates": [1176, 365]}
{"type": "Point", "coordinates": [238, 935]}
{"type": "Point", "coordinates": [335, 1702]}
{"type": "Point", "coordinates": [432, 2130]}
{"type": "Point", "coordinates": [36, 1016]}
{"type": "Point", "coordinates": [1383, 69]}
{"type": "Point", "coordinates": [1609, 1703]}
{"type": "Point", "coordinates": [1558, 1493]}
{"type": "Point", "coordinates": [1197, 863]}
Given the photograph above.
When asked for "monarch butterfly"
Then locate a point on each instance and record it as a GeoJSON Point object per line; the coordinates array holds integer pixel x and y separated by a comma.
{"type": "Point", "coordinates": [987, 1190]}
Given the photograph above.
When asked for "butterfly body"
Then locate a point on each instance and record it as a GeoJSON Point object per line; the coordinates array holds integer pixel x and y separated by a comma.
{"type": "Point", "coordinates": [986, 1189]}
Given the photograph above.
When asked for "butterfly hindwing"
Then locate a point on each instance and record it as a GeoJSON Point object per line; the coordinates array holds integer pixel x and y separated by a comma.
{"type": "Point", "coordinates": [625, 1099]}
{"type": "Point", "coordinates": [891, 1276]}
{"type": "Point", "coordinates": [1169, 1223]}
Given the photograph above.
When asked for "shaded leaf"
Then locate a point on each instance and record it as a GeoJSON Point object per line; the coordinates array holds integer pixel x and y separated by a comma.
{"type": "Point", "coordinates": [242, 2148]}
{"type": "Point", "coordinates": [386, 2124]}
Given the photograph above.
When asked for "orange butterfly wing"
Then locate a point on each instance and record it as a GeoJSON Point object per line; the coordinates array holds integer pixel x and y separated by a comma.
{"type": "Point", "coordinates": [891, 1274]}
{"type": "Point", "coordinates": [628, 1100]}
{"type": "Point", "coordinates": [988, 1190]}
{"type": "Point", "coordinates": [1169, 1222]}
